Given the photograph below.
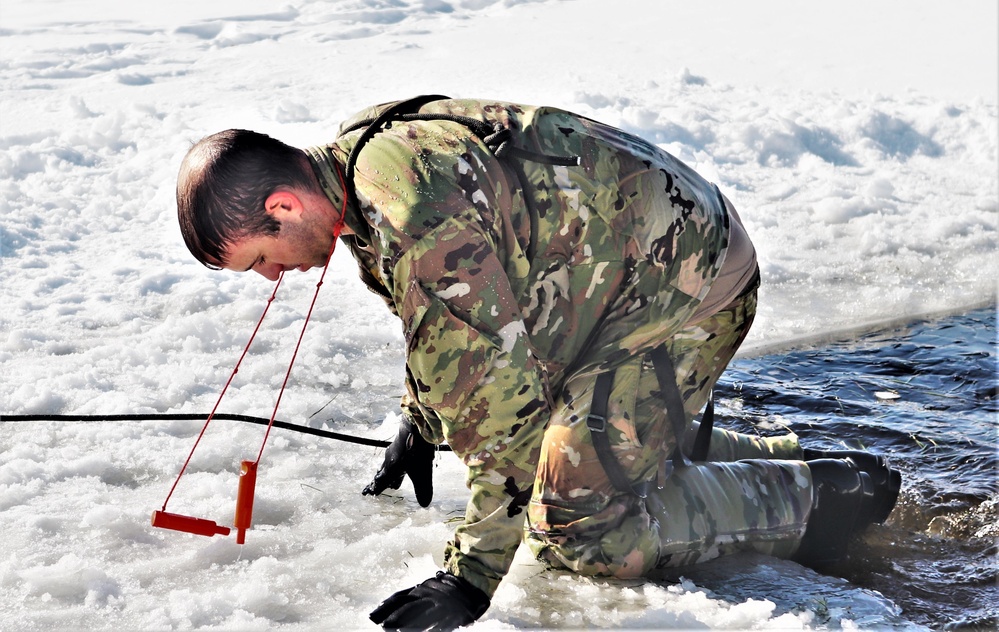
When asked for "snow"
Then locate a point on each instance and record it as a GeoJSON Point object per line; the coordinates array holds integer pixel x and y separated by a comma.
{"type": "Point", "coordinates": [858, 141]}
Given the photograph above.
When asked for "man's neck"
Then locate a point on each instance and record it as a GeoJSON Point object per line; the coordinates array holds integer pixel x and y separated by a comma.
{"type": "Point", "coordinates": [330, 196]}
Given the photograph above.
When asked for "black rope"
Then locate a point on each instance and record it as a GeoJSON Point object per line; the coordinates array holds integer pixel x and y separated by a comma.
{"type": "Point", "coordinates": [261, 421]}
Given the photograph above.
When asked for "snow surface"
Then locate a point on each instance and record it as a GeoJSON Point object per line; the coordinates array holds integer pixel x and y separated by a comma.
{"type": "Point", "coordinates": [857, 139]}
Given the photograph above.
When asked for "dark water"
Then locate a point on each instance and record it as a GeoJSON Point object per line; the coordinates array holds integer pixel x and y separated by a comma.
{"type": "Point", "coordinates": [924, 395]}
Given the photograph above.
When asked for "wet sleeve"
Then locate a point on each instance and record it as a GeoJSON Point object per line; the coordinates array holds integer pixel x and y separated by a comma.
{"type": "Point", "coordinates": [471, 363]}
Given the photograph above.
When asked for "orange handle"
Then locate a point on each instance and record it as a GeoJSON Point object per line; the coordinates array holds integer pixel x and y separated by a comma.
{"type": "Point", "coordinates": [244, 500]}
{"type": "Point", "coordinates": [197, 526]}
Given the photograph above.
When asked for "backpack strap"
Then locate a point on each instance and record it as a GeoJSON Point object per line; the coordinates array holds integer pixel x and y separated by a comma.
{"type": "Point", "coordinates": [496, 136]}
{"type": "Point", "coordinates": [373, 127]}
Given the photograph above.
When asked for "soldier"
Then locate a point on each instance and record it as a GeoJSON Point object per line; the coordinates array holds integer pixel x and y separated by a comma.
{"type": "Point", "coordinates": [569, 295]}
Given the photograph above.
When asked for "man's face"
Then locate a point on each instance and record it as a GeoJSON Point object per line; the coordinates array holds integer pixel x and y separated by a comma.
{"type": "Point", "coordinates": [298, 246]}
{"type": "Point", "coordinates": [303, 241]}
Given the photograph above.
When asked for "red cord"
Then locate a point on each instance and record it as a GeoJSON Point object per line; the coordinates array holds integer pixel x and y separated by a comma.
{"type": "Point", "coordinates": [337, 228]}
{"type": "Point", "coordinates": [224, 389]}
{"type": "Point", "coordinates": [308, 316]}
{"type": "Point", "coordinates": [336, 235]}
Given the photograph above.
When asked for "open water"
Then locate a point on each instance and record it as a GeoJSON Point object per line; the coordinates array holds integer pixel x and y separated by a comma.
{"type": "Point", "coordinates": [924, 395]}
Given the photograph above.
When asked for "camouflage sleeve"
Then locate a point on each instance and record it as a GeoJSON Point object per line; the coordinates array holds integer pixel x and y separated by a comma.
{"type": "Point", "coordinates": [471, 363]}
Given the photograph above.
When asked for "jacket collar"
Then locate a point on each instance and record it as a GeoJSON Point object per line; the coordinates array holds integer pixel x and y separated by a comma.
{"type": "Point", "coordinates": [327, 167]}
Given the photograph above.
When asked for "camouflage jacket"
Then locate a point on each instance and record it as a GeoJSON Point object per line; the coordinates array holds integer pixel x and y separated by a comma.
{"type": "Point", "coordinates": [506, 283]}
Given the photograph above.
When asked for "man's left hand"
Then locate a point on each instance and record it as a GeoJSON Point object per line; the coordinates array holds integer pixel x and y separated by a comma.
{"type": "Point", "coordinates": [408, 455]}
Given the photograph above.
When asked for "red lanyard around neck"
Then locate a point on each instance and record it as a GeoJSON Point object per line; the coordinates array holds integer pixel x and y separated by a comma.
{"type": "Point", "coordinates": [248, 473]}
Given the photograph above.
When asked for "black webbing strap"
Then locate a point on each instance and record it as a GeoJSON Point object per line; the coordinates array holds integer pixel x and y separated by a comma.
{"type": "Point", "coordinates": [666, 376]}
{"type": "Point", "coordinates": [703, 440]}
{"type": "Point", "coordinates": [596, 421]}
{"type": "Point", "coordinates": [373, 128]}
{"type": "Point", "coordinates": [495, 136]}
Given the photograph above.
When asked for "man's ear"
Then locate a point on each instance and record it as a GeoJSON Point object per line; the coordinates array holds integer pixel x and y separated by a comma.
{"type": "Point", "coordinates": [284, 205]}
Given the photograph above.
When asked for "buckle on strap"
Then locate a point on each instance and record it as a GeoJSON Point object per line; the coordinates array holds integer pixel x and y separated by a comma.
{"type": "Point", "coordinates": [596, 423]}
{"type": "Point", "coordinates": [641, 489]}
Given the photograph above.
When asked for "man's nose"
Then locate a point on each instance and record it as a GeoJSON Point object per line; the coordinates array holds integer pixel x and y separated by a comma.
{"type": "Point", "coordinates": [270, 271]}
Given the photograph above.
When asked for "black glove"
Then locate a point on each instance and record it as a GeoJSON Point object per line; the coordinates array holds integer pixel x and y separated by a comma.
{"type": "Point", "coordinates": [408, 454]}
{"type": "Point", "coordinates": [444, 602]}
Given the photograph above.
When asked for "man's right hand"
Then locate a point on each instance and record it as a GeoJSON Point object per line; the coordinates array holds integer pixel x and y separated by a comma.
{"type": "Point", "coordinates": [442, 603]}
{"type": "Point", "coordinates": [408, 455]}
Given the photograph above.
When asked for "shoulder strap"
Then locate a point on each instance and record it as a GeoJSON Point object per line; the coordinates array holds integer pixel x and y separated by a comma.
{"type": "Point", "coordinates": [496, 137]}
{"type": "Point", "coordinates": [373, 127]}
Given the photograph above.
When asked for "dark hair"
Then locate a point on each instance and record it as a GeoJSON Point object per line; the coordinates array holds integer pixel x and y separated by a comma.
{"type": "Point", "coordinates": [223, 184]}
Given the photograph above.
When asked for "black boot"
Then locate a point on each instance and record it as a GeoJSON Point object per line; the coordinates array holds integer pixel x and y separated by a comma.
{"type": "Point", "coordinates": [841, 499]}
{"type": "Point", "coordinates": [887, 481]}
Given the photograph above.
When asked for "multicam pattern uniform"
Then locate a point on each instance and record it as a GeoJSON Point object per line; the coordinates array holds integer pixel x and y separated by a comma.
{"type": "Point", "coordinates": [510, 307]}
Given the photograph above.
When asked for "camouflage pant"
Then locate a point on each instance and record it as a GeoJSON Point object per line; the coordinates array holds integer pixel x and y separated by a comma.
{"type": "Point", "coordinates": [744, 497]}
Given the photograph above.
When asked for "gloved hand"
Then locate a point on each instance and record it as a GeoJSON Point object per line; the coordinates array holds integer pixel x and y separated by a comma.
{"type": "Point", "coordinates": [408, 454]}
{"type": "Point", "coordinates": [444, 602]}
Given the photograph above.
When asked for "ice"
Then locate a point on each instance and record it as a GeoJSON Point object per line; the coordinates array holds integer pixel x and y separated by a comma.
{"type": "Point", "coordinates": [862, 160]}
